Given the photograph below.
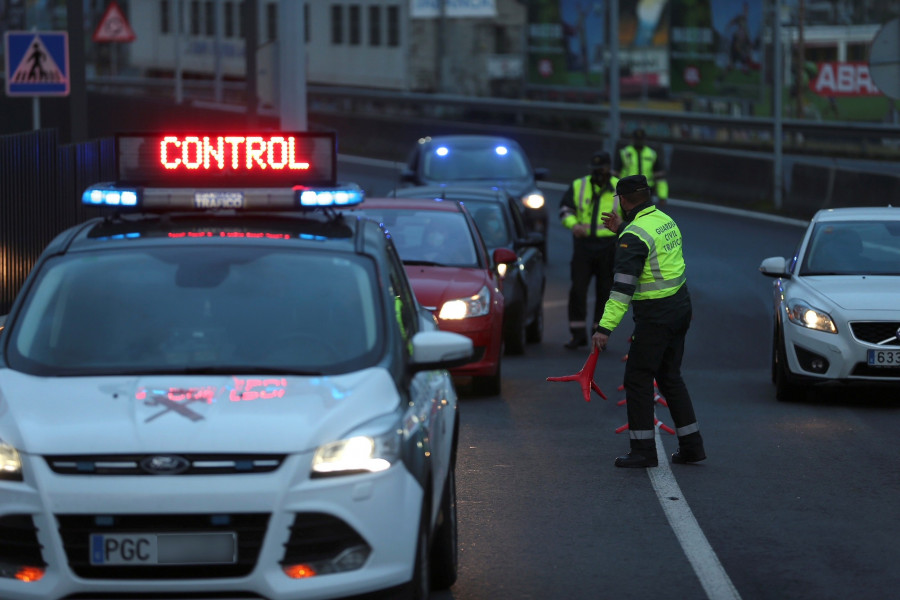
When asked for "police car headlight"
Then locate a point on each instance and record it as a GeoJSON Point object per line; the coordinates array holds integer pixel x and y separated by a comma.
{"type": "Point", "coordinates": [804, 315]}
{"type": "Point", "coordinates": [357, 454]}
{"type": "Point", "coordinates": [10, 463]}
{"type": "Point", "coordinates": [463, 308]}
{"type": "Point", "coordinates": [534, 200]}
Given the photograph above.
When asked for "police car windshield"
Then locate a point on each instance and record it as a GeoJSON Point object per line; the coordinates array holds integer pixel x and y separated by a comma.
{"type": "Point", "coordinates": [202, 309]}
{"type": "Point", "coordinates": [474, 162]}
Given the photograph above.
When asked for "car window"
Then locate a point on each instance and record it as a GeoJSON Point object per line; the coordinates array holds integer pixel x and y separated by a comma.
{"type": "Point", "coordinates": [492, 222]}
{"type": "Point", "coordinates": [853, 248]}
{"type": "Point", "coordinates": [429, 236]}
{"type": "Point", "coordinates": [467, 162]}
{"type": "Point", "coordinates": [210, 308]}
{"type": "Point", "coordinates": [404, 300]}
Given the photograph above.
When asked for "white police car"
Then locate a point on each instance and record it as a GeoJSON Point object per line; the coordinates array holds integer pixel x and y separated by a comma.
{"type": "Point", "coordinates": [837, 303]}
{"type": "Point", "coordinates": [225, 392]}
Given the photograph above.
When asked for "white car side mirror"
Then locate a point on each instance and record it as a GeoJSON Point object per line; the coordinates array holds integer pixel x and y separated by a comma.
{"type": "Point", "coordinates": [775, 266]}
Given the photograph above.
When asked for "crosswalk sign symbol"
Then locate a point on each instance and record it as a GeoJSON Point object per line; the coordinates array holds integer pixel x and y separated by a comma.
{"type": "Point", "coordinates": [37, 63]}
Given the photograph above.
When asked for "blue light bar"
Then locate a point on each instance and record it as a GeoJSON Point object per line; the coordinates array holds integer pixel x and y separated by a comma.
{"type": "Point", "coordinates": [319, 197]}
{"type": "Point", "coordinates": [107, 194]}
{"type": "Point", "coordinates": [501, 150]}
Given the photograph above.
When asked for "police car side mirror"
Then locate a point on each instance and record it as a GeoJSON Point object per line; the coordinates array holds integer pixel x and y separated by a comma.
{"type": "Point", "coordinates": [541, 173]}
{"type": "Point", "coordinates": [440, 350]}
{"type": "Point", "coordinates": [774, 266]}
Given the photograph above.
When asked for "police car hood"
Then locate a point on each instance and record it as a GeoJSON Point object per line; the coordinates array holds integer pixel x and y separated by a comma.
{"type": "Point", "coordinates": [435, 285]}
{"type": "Point", "coordinates": [184, 414]}
{"type": "Point", "coordinates": [855, 292]}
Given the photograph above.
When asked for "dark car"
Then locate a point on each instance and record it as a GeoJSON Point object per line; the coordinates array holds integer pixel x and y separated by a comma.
{"type": "Point", "coordinates": [502, 226]}
{"type": "Point", "coordinates": [480, 160]}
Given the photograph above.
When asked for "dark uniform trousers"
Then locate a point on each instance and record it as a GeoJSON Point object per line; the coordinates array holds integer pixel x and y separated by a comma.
{"type": "Point", "coordinates": [656, 352]}
{"type": "Point", "coordinates": [591, 258]}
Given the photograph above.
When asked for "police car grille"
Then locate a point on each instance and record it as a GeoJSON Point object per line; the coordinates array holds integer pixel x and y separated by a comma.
{"type": "Point", "coordinates": [876, 332]}
{"type": "Point", "coordinates": [19, 546]}
{"type": "Point", "coordinates": [199, 464]}
{"type": "Point", "coordinates": [318, 536]}
{"type": "Point", "coordinates": [75, 531]}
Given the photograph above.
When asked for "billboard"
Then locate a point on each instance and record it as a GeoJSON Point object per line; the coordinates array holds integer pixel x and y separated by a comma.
{"type": "Point", "coordinates": [568, 47]}
{"type": "Point", "coordinates": [716, 48]}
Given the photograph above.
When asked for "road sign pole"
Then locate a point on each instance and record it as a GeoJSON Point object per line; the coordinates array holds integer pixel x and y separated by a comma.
{"type": "Point", "coordinates": [36, 113]}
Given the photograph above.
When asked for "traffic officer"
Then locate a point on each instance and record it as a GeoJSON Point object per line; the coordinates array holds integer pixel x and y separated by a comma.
{"type": "Point", "coordinates": [594, 246]}
{"type": "Point", "coordinates": [640, 159]}
{"type": "Point", "coordinates": [649, 275]}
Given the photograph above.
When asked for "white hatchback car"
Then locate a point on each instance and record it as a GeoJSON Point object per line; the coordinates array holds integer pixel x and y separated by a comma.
{"type": "Point", "coordinates": [227, 393]}
{"type": "Point", "coordinates": [837, 302]}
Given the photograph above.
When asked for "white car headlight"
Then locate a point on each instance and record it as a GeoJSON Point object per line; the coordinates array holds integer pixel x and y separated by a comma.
{"type": "Point", "coordinates": [534, 200]}
{"type": "Point", "coordinates": [464, 308]}
{"type": "Point", "coordinates": [804, 315]}
{"type": "Point", "coordinates": [10, 463]}
{"type": "Point", "coordinates": [358, 454]}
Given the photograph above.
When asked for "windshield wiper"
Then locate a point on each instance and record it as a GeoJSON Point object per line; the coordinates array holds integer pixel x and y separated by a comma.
{"type": "Point", "coordinates": [426, 263]}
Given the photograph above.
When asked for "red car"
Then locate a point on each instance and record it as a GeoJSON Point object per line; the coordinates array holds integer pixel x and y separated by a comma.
{"type": "Point", "coordinates": [452, 275]}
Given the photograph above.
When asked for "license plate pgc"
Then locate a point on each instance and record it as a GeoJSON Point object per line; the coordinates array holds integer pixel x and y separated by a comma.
{"type": "Point", "coordinates": [162, 549]}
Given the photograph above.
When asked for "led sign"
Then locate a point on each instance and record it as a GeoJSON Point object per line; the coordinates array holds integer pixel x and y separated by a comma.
{"type": "Point", "coordinates": [205, 159]}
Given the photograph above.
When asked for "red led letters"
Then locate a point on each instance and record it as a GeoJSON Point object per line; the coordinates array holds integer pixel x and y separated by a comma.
{"type": "Point", "coordinates": [230, 152]}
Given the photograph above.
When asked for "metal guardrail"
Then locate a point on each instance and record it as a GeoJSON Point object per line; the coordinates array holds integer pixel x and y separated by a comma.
{"type": "Point", "coordinates": [850, 140]}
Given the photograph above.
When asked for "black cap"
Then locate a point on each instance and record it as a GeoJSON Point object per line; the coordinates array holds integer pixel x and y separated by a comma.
{"type": "Point", "coordinates": [599, 159]}
{"type": "Point", "coordinates": [639, 133]}
{"type": "Point", "coordinates": [631, 184]}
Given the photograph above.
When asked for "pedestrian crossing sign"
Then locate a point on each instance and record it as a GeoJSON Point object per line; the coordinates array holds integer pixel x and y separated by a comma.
{"type": "Point", "coordinates": [37, 63]}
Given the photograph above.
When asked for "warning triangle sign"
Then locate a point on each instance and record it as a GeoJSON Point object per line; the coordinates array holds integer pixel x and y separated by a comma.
{"type": "Point", "coordinates": [37, 66]}
{"type": "Point", "coordinates": [114, 26]}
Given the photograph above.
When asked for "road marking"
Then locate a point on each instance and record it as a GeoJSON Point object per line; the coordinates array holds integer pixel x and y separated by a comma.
{"type": "Point", "coordinates": [703, 559]}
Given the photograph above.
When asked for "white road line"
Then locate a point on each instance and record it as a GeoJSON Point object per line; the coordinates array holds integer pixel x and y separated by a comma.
{"type": "Point", "coordinates": [703, 559]}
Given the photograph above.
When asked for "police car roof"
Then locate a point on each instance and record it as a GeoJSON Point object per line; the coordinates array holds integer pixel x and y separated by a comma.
{"type": "Point", "coordinates": [341, 233]}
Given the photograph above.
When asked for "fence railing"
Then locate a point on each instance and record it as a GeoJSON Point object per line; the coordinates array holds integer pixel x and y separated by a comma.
{"type": "Point", "coordinates": [852, 140]}
{"type": "Point", "coordinates": [40, 185]}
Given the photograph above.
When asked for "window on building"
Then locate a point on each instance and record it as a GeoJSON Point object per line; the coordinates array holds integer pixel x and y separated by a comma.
{"type": "Point", "coordinates": [229, 19]}
{"type": "Point", "coordinates": [374, 25]}
{"type": "Point", "coordinates": [195, 17]}
{"type": "Point", "coordinates": [354, 25]}
{"type": "Point", "coordinates": [242, 19]}
{"type": "Point", "coordinates": [393, 25]}
{"type": "Point", "coordinates": [858, 52]}
{"type": "Point", "coordinates": [209, 9]}
{"type": "Point", "coordinates": [337, 24]}
{"type": "Point", "coordinates": [164, 16]}
{"type": "Point", "coordinates": [272, 21]}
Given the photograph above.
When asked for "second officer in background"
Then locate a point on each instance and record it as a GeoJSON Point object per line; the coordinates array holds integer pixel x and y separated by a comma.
{"type": "Point", "coordinates": [594, 245]}
{"type": "Point", "coordinates": [640, 159]}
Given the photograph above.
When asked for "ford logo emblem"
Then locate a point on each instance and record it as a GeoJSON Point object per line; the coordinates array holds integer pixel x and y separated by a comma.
{"type": "Point", "coordinates": [165, 465]}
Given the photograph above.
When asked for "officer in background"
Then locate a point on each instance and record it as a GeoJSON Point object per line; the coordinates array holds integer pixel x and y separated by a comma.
{"type": "Point", "coordinates": [649, 275]}
{"type": "Point", "coordinates": [594, 246]}
{"type": "Point", "coordinates": [640, 159]}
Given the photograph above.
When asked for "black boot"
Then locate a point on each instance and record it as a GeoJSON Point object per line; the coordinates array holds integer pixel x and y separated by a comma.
{"type": "Point", "coordinates": [690, 449]}
{"type": "Point", "coordinates": [642, 455]}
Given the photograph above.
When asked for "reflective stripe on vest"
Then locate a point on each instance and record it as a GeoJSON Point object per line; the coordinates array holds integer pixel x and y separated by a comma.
{"type": "Point", "coordinates": [663, 272]}
{"type": "Point", "coordinates": [583, 204]}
